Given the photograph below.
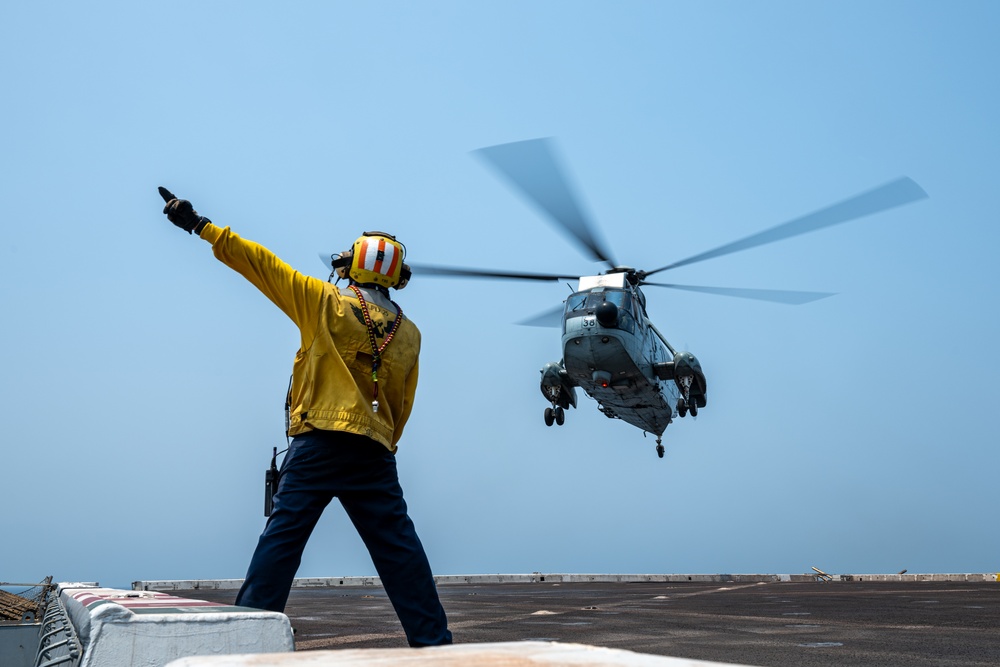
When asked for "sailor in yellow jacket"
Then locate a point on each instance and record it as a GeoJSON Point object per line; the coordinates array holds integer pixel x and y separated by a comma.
{"type": "Point", "coordinates": [353, 384]}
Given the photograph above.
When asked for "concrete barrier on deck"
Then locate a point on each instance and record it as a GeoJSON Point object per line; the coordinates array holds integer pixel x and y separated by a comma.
{"type": "Point", "coordinates": [510, 654]}
{"type": "Point", "coordinates": [146, 629]}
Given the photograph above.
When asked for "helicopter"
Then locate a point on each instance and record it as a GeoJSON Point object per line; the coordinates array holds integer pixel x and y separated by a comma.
{"type": "Point", "coordinates": [610, 347]}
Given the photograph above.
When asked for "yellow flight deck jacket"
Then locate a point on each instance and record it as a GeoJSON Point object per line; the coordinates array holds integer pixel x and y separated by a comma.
{"type": "Point", "coordinates": [332, 388]}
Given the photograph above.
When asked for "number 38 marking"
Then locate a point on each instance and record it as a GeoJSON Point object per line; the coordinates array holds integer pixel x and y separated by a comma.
{"type": "Point", "coordinates": [589, 321]}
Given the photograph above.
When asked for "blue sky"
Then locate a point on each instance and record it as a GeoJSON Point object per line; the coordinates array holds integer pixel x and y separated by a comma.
{"type": "Point", "coordinates": [143, 381]}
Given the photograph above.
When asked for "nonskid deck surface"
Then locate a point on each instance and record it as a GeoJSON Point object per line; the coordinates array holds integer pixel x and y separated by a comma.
{"type": "Point", "coordinates": [909, 624]}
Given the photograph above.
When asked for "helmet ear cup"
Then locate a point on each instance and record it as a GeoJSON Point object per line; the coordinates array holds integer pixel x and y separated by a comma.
{"type": "Point", "coordinates": [404, 277]}
{"type": "Point", "coordinates": [342, 265]}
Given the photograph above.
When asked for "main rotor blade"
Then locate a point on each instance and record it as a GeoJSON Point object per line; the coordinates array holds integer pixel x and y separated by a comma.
{"type": "Point", "coordinates": [550, 318]}
{"type": "Point", "coordinates": [532, 169]}
{"type": "Point", "coordinates": [777, 296]}
{"type": "Point", "coordinates": [896, 193]}
{"type": "Point", "coordinates": [459, 272]}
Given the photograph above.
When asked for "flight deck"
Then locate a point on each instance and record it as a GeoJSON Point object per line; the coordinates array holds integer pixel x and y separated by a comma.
{"type": "Point", "coordinates": [888, 620]}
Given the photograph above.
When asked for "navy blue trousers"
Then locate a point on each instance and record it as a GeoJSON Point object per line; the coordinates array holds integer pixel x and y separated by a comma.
{"type": "Point", "coordinates": [361, 473]}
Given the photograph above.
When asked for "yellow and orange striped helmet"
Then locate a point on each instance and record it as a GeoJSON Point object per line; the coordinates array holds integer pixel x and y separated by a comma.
{"type": "Point", "coordinates": [377, 259]}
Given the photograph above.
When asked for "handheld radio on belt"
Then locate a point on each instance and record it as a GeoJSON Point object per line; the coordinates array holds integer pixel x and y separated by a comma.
{"type": "Point", "coordinates": [271, 483]}
{"type": "Point", "coordinates": [272, 474]}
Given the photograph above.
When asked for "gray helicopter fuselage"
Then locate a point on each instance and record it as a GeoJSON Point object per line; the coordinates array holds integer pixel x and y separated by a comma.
{"type": "Point", "coordinates": [611, 352]}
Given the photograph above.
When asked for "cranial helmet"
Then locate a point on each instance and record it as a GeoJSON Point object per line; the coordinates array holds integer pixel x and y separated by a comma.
{"type": "Point", "coordinates": [376, 258]}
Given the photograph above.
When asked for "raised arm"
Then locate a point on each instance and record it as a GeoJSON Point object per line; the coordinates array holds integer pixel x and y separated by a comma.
{"type": "Point", "coordinates": [297, 295]}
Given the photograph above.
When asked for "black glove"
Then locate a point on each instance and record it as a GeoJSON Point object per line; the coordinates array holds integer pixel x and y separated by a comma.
{"type": "Point", "coordinates": [181, 213]}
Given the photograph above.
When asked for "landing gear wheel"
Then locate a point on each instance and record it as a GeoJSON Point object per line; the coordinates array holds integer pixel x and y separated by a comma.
{"type": "Point", "coordinates": [684, 403]}
{"type": "Point", "coordinates": [549, 416]}
{"type": "Point", "coordinates": [560, 415]}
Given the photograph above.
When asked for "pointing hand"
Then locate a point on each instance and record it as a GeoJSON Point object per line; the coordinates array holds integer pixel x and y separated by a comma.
{"type": "Point", "coordinates": [182, 213]}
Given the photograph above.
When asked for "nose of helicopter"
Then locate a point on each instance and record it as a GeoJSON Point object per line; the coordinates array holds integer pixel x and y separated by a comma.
{"type": "Point", "coordinates": [607, 314]}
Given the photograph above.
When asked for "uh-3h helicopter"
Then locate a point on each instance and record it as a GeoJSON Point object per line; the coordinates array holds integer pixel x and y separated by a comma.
{"type": "Point", "coordinates": [610, 347]}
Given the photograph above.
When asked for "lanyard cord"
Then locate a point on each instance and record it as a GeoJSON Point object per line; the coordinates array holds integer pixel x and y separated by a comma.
{"type": "Point", "coordinates": [376, 349]}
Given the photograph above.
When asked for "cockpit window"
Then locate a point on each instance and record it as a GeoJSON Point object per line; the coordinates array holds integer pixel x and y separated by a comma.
{"type": "Point", "coordinates": [619, 298]}
{"type": "Point", "coordinates": [626, 319]}
{"type": "Point", "coordinates": [576, 302]}
{"type": "Point", "coordinates": [580, 303]}
{"type": "Point", "coordinates": [642, 299]}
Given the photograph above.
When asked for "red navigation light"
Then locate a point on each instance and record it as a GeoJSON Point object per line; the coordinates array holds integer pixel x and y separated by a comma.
{"type": "Point", "coordinates": [602, 379]}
